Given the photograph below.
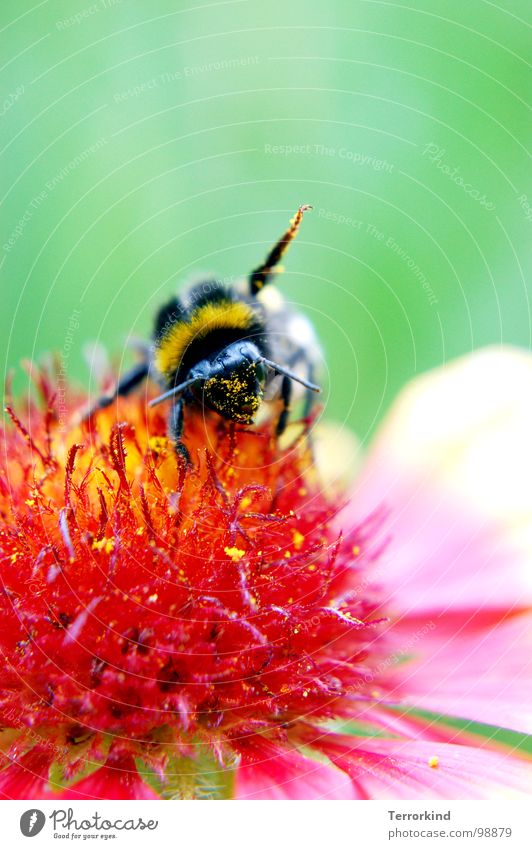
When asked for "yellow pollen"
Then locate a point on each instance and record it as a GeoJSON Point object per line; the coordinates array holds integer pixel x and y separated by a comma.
{"type": "Point", "coordinates": [158, 444]}
{"type": "Point", "coordinates": [235, 554]}
{"type": "Point", "coordinates": [298, 538]}
{"type": "Point", "coordinates": [433, 762]}
{"type": "Point", "coordinates": [30, 502]}
{"type": "Point", "coordinates": [105, 544]}
{"type": "Point", "coordinates": [153, 597]}
{"type": "Point", "coordinates": [356, 550]}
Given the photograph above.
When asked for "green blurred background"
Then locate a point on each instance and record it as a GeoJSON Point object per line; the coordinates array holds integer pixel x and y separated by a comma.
{"type": "Point", "coordinates": [145, 142]}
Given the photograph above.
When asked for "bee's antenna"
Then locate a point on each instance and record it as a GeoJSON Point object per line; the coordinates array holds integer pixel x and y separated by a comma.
{"type": "Point", "coordinates": [262, 274]}
{"type": "Point", "coordinates": [280, 370]}
{"type": "Point", "coordinates": [175, 391]}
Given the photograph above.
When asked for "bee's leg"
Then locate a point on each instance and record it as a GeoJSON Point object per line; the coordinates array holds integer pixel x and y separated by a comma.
{"type": "Point", "coordinates": [300, 356]}
{"type": "Point", "coordinates": [310, 397]}
{"type": "Point", "coordinates": [175, 429]}
{"type": "Point", "coordinates": [264, 273]}
{"type": "Point", "coordinates": [126, 384]}
{"type": "Point", "coordinates": [286, 393]}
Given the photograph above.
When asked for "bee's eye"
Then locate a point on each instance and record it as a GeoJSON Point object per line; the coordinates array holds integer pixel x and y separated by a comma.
{"type": "Point", "coordinates": [260, 371]}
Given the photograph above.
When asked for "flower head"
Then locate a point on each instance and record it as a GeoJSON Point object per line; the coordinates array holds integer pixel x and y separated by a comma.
{"type": "Point", "coordinates": [204, 631]}
{"type": "Point", "coordinates": [165, 611]}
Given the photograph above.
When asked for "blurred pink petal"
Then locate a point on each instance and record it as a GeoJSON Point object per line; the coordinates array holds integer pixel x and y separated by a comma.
{"type": "Point", "coordinates": [27, 778]}
{"type": "Point", "coordinates": [117, 779]}
{"type": "Point", "coordinates": [268, 772]}
{"type": "Point", "coordinates": [469, 667]}
{"type": "Point", "coordinates": [452, 466]}
{"type": "Point", "coordinates": [395, 769]}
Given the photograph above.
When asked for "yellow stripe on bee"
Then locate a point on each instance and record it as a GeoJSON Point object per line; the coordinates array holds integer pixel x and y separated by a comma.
{"type": "Point", "coordinates": [227, 315]}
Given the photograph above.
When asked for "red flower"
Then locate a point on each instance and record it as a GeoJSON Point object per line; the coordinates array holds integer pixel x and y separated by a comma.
{"type": "Point", "coordinates": [199, 632]}
{"type": "Point", "coordinates": [166, 613]}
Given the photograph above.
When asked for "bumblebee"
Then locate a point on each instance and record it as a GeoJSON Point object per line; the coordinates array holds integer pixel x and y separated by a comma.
{"type": "Point", "coordinates": [228, 348]}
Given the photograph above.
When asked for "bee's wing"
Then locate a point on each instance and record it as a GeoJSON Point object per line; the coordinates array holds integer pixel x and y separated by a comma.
{"type": "Point", "coordinates": [292, 339]}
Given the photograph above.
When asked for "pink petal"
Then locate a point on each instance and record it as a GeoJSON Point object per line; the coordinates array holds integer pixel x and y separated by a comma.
{"type": "Point", "coordinates": [470, 667]}
{"type": "Point", "coordinates": [117, 779]}
{"type": "Point", "coordinates": [392, 769]}
{"type": "Point", "coordinates": [452, 466]}
{"type": "Point", "coordinates": [28, 777]}
{"type": "Point", "coordinates": [271, 772]}
{"type": "Point", "coordinates": [389, 720]}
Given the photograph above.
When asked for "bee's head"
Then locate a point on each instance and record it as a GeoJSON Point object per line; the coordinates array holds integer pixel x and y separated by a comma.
{"type": "Point", "coordinates": [235, 386]}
